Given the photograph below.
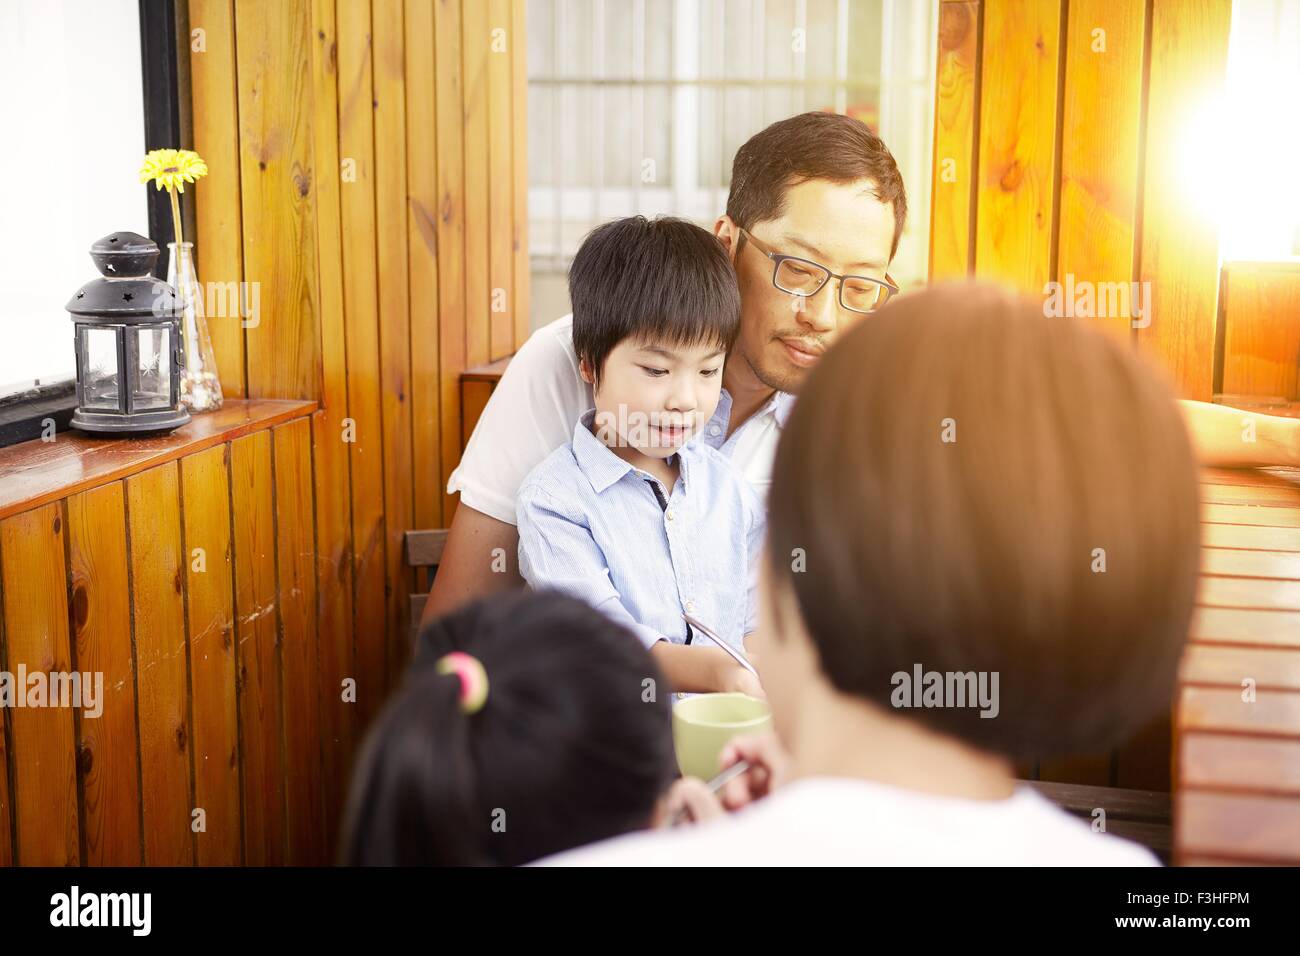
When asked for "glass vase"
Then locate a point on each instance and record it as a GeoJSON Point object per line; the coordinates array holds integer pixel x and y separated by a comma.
{"type": "Point", "coordinates": [200, 386]}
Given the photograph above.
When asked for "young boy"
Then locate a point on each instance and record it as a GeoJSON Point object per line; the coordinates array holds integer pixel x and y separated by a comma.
{"type": "Point", "coordinates": [635, 516]}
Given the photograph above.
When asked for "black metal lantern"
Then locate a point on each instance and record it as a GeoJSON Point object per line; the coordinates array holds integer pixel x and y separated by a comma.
{"type": "Point", "coordinates": [129, 354]}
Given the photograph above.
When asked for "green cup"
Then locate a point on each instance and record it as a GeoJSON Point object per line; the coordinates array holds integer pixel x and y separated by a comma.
{"type": "Point", "coordinates": [702, 726]}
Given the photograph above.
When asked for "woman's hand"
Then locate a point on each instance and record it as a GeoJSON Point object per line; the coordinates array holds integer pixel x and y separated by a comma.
{"type": "Point", "coordinates": [768, 763]}
{"type": "Point", "coordinates": [689, 800]}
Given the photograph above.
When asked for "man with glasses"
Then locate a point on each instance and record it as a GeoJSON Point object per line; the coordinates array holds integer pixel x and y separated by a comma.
{"type": "Point", "coordinates": [814, 216]}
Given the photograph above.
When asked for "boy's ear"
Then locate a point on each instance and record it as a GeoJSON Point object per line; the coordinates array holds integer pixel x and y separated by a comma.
{"type": "Point", "coordinates": [584, 369]}
{"type": "Point", "coordinates": [727, 232]}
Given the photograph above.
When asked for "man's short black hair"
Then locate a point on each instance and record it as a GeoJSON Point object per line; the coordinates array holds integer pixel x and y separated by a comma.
{"type": "Point", "coordinates": [660, 280]}
{"type": "Point", "coordinates": [813, 145]}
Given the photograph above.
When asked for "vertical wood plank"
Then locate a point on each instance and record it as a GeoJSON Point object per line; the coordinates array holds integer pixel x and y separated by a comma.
{"type": "Point", "coordinates": [276, 177]}
{"type": "Point", "coordinates": [101, 621]}
{"type": "Point", "coordinates": [500, 84]}
{"type": "Point", "coordinates": [331, 467]}
{"type": "Point", "coordinates": [953, 181]}
{"type": "Point", "coordinates": [422, 229]}
{"type": "Point", "coordinates": [475, 51]}
{"type": "Point", "coordinates": [1180, 250]}
{"type": "Point", "coordinates": [1261, 328]}
{"type": "Point", "coordinates": [356, 144]}
{"type": "Point", "coordinates": [205, 494]}
{"type": "Point", "coordinates": [394, 319]}
{"type": "Point", "coordinates": [296, 548]}
{"type": "Point", "coordinates": [258, 658]}
{"type": "Point", "coordinates": [1017, 142]}
{"type": "Point", "coordinates": [158, 585]}
{"type": "Point", "coordinates": [36, 639]}
{"type": "Point", "coordinates": [519, 146]}
{"type": "Point", "coordinates": [215, 109]}
{"type": "Point", "coordinates": [451, 233]}
{"type": "Point", "coordinates": [1100, 146]}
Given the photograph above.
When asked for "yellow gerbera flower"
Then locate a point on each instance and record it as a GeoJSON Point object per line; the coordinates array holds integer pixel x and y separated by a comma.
{"type": "Point", "coordinates": [172, 168]}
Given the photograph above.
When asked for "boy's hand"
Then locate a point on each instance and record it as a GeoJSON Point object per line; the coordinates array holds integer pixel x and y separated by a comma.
{"type": "Point", "coordinates": [735, 679]}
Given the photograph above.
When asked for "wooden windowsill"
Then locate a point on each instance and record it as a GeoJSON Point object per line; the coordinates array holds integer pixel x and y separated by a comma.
{"type": "Point", "coordinates": [34, 473]}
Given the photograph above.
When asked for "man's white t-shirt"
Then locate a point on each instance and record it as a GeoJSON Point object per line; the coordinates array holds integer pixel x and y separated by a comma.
{"type": "Point", "coordinates": [540, 398]}
{"type": "Point", "coordinates": [837, 821]}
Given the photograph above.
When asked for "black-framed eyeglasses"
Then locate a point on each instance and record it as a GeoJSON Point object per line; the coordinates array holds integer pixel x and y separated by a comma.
{"type": "Point", "coordinates": [805, 278]}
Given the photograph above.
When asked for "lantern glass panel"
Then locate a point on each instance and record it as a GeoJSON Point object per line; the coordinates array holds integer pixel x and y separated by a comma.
{"type": "Point", "coordinates": [154, 388]}
{"type": "Point", "coordinates": [101, 382]}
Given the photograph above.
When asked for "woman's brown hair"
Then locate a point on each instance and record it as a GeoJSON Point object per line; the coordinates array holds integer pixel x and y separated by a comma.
{"type": "Point", "coordinates": [969, 486]}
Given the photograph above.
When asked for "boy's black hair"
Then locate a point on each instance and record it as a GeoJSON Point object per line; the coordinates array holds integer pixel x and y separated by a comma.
{"type": "Point", "coordinates": [663, 280]}
{"type": "Point", "coordinates": [572, 746]}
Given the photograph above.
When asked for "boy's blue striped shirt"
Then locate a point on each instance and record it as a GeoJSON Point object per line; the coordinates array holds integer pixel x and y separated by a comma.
{"type": "Point", "coordinates": [591, 524]}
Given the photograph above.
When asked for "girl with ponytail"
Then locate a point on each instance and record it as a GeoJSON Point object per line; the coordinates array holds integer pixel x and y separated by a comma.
{"type": "Point", "coordinates": [527, 724]}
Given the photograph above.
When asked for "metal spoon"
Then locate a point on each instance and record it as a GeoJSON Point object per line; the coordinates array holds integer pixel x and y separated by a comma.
{"type": "Point", "coordinates": [709, 633]}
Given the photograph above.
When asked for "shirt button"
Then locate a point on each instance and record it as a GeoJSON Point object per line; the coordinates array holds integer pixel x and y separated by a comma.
{"type": "Point", "coordinates": [669, 514]}
{"type": "Point", "coordinates": [715, 430]}
{"type": "Point", "coordinates": [690, 607]}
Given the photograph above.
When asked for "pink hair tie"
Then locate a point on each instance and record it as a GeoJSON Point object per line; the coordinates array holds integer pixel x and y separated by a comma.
{"type": "Point", "coordinates": [473, 679]}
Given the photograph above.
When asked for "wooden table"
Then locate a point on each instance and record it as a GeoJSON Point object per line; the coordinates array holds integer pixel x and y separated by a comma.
{"type": "Point", "coordinates": [1237, 721]}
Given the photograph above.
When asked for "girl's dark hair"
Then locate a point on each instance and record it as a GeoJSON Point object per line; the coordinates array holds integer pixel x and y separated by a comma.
{"type": "Point", "coordinates": [978, 489]}
{"type": "Point", "coordinates": [572, 746]}
{"type": "Point", "coordinates": [659, 280]}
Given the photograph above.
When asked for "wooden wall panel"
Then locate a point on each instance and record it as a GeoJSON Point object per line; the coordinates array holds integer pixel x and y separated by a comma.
{"type": "Point", "coordinates": [331, 464]}
{"type": "Point", "coordinates": [295, 548]}
{"type": "Point", "coordinates": [43, 758]}
{"type": "Point", "coordinates": [394, 319]}
{"type": "Point", "coordinates": [1101, 134]}
{"type": "Point", "coordinates": [158, 586]}
{"type": "Point", "coordinates": [1018, 139]}
{"type": "Point", "coordinates": [452, 252]}
{"type": "Point", "coordinates": [108, 759]}
{"type": "Point", "coordinates": [422, 239]}
{"type": "Point", "coordinates": [1260, 303]}
{"type": "Point", "coordinates": [953, 180]}
{"type": "Point", "coordinates": [205, 497]}
{"type": "Point", "coordinates": [218, 222]}
{"type": "Point", "coordinates": [365, 402]}
{"type": "Point", "coordinates": [258, 654]}
{"type": "Point", "coordinates": [1180, 250]}
{"type": "Point", "coordinates": [276, 177]}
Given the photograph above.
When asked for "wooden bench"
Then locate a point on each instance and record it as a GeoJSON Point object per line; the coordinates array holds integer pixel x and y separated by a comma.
{"type": "Point", "coordinates": [423, 550]}
{"type": "Point", "coordinates": [1237, 729]}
